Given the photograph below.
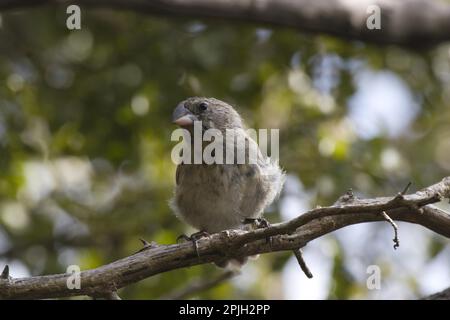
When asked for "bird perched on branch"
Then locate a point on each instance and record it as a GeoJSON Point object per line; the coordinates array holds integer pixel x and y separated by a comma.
{"type": "Point", "coordinates": [216, 197]}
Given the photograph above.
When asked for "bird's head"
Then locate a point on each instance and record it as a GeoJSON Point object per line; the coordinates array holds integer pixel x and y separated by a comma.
{"type": "Point", "coordinates": [213, 113]}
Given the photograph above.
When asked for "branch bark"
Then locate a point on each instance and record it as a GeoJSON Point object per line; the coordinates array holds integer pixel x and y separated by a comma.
{"type": "Point", "coordinates": [443, 295]}
{"type": "Point", "coordinates": [290, 235]}
{"type": "Point", "coordinates": [412, 23]}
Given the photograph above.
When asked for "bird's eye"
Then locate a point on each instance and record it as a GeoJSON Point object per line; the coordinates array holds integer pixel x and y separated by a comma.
{"type": "Point", "coordinates": [203, 106]}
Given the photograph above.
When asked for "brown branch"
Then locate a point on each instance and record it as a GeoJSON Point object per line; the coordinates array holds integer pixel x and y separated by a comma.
{"type": "Point", "coordinates": [443, 295]}
{"type": "Point", "coordinates": [299, 255]}
{"type": "Point", "coordinates": [412, 23]}
{"type": "Point", "coordinates": [291, 235]}
{"type": "Point", "coordinates": [395, 227]}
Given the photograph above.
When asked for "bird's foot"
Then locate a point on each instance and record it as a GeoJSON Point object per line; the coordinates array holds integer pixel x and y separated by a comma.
{"type": "Point", "coordinates": [194, 238]}
{"type": "Point", "coordinates": [259, 223]}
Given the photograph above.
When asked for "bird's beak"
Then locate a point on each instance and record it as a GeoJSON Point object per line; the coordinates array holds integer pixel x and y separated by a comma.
{"type": "Point", "coordinates": [182, 116]}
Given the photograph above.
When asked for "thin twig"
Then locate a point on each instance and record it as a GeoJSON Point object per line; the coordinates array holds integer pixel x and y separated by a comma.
{"type": "Point", "coordinates": [299, 255]}
{"type": "Point", "coordinates": [5, 273]}
{"type": "Point", "coordinates": [406, 188]}
{"type": "Point", "coordinates": [395, 227]}
{"type": "Point", "coordinates": [146, 245]}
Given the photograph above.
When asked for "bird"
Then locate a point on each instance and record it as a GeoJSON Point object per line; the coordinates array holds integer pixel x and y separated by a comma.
{"type": "Point", "coordinates": [221, 196]}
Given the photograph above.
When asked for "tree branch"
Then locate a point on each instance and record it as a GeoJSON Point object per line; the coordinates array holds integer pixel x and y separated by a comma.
{"type": "Point", "coordinates": [291, 235]}
{"type": "Point", "coordinates": [443, 295]}
{"type": "Point", "coordinates": [412, 23]}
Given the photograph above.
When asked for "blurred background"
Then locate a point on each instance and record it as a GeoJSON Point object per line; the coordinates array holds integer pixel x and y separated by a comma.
{"type": "Point", "coordinates": [85, 167]}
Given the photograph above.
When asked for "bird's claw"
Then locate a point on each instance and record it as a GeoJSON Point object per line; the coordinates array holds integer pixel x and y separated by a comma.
{"type": "Point", "coordinates": [194, 238]}
{"type": "Point", "coordinates": [183, 237]}
{"type": "Point", "coordinates": [259, 223]}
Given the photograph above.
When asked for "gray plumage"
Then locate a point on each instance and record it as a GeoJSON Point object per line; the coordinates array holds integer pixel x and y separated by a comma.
{"type": "Point", "coordinates": [216, 197]}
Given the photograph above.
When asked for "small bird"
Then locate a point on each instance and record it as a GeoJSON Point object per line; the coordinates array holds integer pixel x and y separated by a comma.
{"type": "Point", "coordinates": [216, 197]}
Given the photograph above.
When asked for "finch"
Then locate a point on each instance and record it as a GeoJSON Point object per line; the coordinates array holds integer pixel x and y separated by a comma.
{"type": "Point", "coordinates": [215, 197]}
